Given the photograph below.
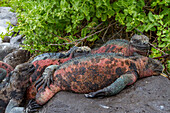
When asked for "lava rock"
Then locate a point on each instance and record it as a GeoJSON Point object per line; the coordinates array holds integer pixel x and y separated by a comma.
{"type": "Point", "coordinates": [6, 48]}
{"type": "Point", "coordinates": [6, 39]}
{"type": "Point", "coordinates": [6, 16]}
{"type": "Point", "coordinates": [148, 95]}
{"type": "Point", "coordinates": [16, 40]}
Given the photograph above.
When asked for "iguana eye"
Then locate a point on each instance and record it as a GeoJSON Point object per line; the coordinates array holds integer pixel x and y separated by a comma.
{"type": "Point", "coordinates": [80, 51]}
{"type": "Point", "coordinates": [136, 41]}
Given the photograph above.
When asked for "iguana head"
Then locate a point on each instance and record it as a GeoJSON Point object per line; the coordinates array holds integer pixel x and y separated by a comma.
{"type": "Point", "coordinates": [17, 57]}
{"type": "Point", "coordinates": [155, 66]}
{"type": "Point", "coordinates": [80, 51]}
{"type": "Point", "coordinates": [140, 44]}
{"type": "Point", "coordinates": [20, 75]}
{"type": "Point", "coordinates": [149, 67]}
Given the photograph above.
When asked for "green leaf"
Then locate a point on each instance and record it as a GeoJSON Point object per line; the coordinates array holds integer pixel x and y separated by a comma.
{"type": "Point", "coordinates": [142, 3]}
{"type": "Point", "coordinates": [104, 17]}
{"type": "Point", "coordinates": [63, 4]}
{"type": "Point", "coordinates": [98, 3]}
{"type": "Point", "coordinates": [98, 13]}
{"type": "Point", "coordinates": [149, 26]}
{"type": "Point", "coordinates": [161, 45]}
{"type": "Point", "coordinates": [110, 13]}
{"type": "Point", "coordinates": [95, 37]}
{"type": "Point", "coordinates": [83, 32]}
{"type": "Point", "coordinates": [151, 17]}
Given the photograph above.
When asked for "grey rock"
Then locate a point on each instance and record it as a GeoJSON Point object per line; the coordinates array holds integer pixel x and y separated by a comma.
{"type": "Point", "coordinates": [148, 95]}
{"type": "Point", "coordinates": [6, 16]}
{"type": "Point", "coordinates": [13, 20]}
{"type": "Point", "coordinates": [6, 48]}
{"type": "Point", "coordinates": [3, 22]}
{"type": "Point", "coordinates": [5, 13]}
{"type": "Point", "coordinates": [16, 40]}
{"type": "Point", "coordinates": [5, 9]}
{"type": "Point", "coordinates": [0, 40]}
{"type": "Point", "coordinates": [7, 39]}
{"type": "Point", "coordinates": [3, 30]}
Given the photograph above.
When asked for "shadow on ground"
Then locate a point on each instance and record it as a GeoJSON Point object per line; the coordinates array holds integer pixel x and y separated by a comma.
{"type": "Point", "coordinates": [148, 95]}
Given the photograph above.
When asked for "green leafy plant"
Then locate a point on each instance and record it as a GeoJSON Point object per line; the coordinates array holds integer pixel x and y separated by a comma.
{"type": "Point", "coordinates": [4, 3]}
{"type": "Point", "coordinates": [56, 22]}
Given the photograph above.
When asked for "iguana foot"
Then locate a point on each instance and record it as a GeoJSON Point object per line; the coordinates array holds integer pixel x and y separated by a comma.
{"type": "Point", "coordinates": [99, 93]}
{"type": "Point", "coordinates": [32, 106]}
{"type": "Point", "coordinates": [47, 77]}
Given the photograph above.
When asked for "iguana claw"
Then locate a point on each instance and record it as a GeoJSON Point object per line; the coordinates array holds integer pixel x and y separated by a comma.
{"type": "Point", "coordinates": [47, 78]}
{"type": "Point", "coordinates": [32, 106]}
{"type": "Point", "coordinates": [100, 93]}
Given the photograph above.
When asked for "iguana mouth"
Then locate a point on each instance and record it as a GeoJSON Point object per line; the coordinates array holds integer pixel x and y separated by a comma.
{"type": "Point", "coordinates": [80, 54]}
{"type": "Point", "coordinates": [141, 47]}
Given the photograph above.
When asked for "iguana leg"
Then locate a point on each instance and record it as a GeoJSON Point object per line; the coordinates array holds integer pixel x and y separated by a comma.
{"type": "Point", "coordinates": [45, 95]}
{"type": "Point", "coordinates": [47, 77]}
{"type": "Point", "coordinates": [3, 74]}
{"type": "Point", "coordinates": [115, 87]}
{"type": "Point", "coordinates": [13, 107]}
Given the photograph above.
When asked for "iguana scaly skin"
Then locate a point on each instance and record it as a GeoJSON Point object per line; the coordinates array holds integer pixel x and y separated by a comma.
{"type": "Point", "coordinates": [139, 44]}
{"type": "Point", "coordinates": [14, 87]}
{"type": "Point", "coordinates": [17, 57]}
{"type": "Point", "coordinates": [97, 71]}
{"type": "Point", "coordinates": [12, 60]}
{"type": "Point", "coordinates": [40, 65]}
{"type": "Point", "coordinates": [5, 69]}
{"type": "Point", "coordinates": [53, 56]}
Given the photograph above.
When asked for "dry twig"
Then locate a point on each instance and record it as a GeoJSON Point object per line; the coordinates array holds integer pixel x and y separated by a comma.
{"type": "Point", "coordinates": [79, 40]}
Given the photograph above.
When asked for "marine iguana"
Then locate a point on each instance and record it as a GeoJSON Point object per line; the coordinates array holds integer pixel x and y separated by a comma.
{"type": "Point", "coordinates": [14, 87]}
{"type": "Point", "coordinates": [108, 72]}
{"type": "Point", "coordinates": [40, 65]}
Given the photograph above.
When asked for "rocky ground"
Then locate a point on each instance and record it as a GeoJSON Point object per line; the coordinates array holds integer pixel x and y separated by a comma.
{"type": "Point", "coordinates": [9, 43]}
{"type": "Point", "coordinates": [148, 95]}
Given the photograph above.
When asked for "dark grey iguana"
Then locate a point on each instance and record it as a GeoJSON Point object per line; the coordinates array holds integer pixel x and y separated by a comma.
{"type": "Point", "coordinates": [13, 88]}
